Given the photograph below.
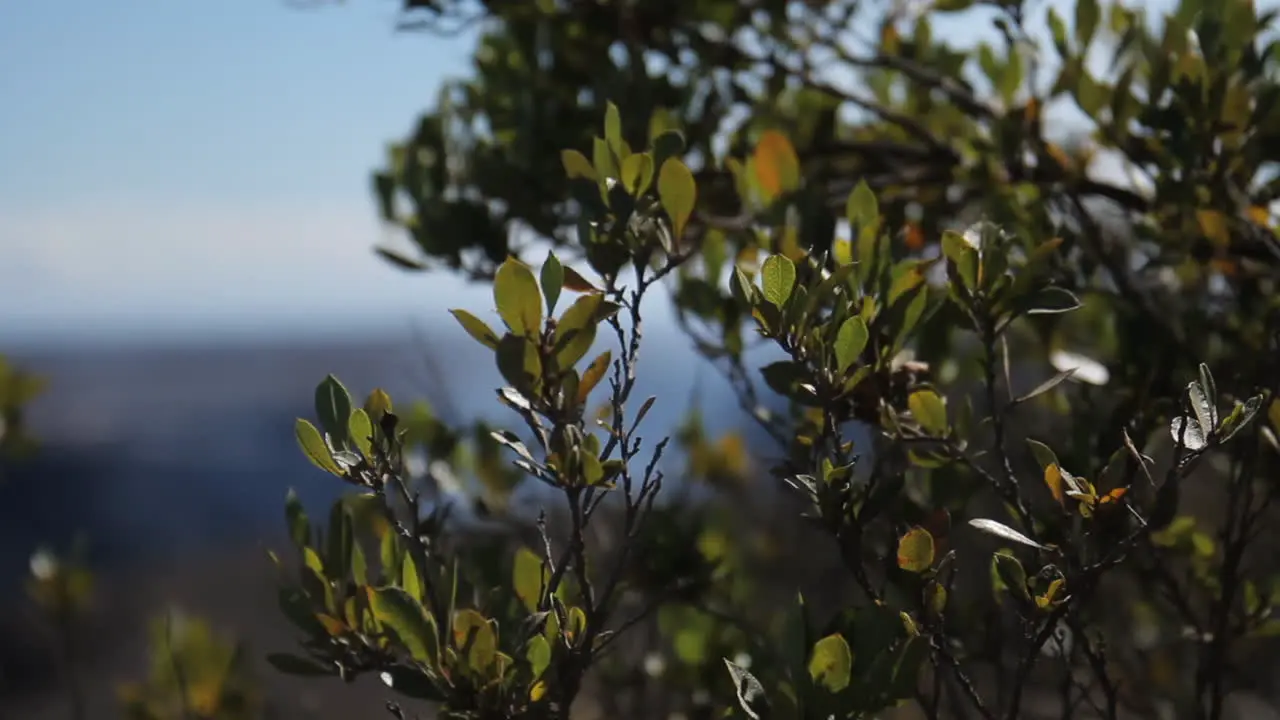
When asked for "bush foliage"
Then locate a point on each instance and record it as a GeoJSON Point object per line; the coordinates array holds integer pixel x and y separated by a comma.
{"type": "Point", "coordinates": [1018, 370]}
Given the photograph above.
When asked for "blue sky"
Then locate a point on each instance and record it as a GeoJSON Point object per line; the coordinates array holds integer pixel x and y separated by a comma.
{"type": "Point", "coordinates": [180, 168]}
{"type": "Point", "coordinates": [169, 165]}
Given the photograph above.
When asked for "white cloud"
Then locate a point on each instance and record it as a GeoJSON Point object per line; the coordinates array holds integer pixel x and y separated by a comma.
{"type": "Point", "coordinates": [135, 262]}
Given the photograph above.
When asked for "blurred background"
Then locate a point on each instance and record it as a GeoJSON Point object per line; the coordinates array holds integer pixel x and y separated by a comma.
{"type": "Point", "coordinates": [184, 189]}
{"type": "Point", "coordinates": [186, 234]}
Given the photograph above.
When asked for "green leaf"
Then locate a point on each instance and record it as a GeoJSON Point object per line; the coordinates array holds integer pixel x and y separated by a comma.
{"type": "Point", "coordinates": [1239, 418]}
{"type": "Point", "coordinates": [850, 342]}
{"type": "Point", "coordinates": [613, 130]}
{"type": "Point", "coordinates": [333, 409]}
{"type": "Point", "coordinates": [576, 330]}
{"type": "Point", "coordinates": [831, 663]}
{"type": "Point", "coordinates": [1043, 454]}
{"type": "Point", "coordinates": [410, 578]}
{"type": "Point", "coordinates": [1044, 387]}
{"type": "Point", "coordinates": [952, 5]}
{"type": "Point", "coordinates": [552, 279]}
{"type": "Point", "coordinates": [378, 404]}
{"type": "Point", "coordinates": [411, 623]}
{"type": "Point", "coordinates": [963, 257]}
{"type": "Point", "coordinates": [637, 173]}
{"type": "Point", "coordinates": [515, 291]}
{"type": "Point", "coordinates": [538, 655]}
{"type": "Point", "coordinates": [777, 279]}
{"type": "Point", "coordinates": [929, 410]}
{"type": "Point", "coordinates": [313, 445]}
{"type": "Point", "coordinates": [474, 634]}
{"type": "Point", "coordinates": [678, 193]}
{"type": "Point", "coordinates": [915, 550]}
{"type": "Point", "coordinates": [360, 428]}
{"type": "Point", "coordinates": [519, 363]}
{"type": "Point", "coordinates": [576, 165]}
{"type": "Point", "coordinates": [602, 159]}
{"type": "Point", "coordinates": [401, 261]}
{"type": "Point", "coordinates": [1011, 573]}
{"type": "Point", "coordinates": [862, 210]}
{"type": "Point", "coordinates": [528, 578]}
{"type": "Point", "coordinates": [296, 519]}
{"type": "Point", "coordinates": [476, 328]}
{"type": "Point", "coordinates": [294, 665]}
{"type": "Point", "coordinates": [1088, 15]}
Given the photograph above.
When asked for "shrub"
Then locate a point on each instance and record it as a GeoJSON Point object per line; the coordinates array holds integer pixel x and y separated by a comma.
{"type": "Point", "coordinates": [1005, 541]}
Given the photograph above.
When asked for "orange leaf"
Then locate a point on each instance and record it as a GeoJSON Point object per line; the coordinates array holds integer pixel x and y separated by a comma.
{"type": "Point", "coordinates": [913, 237]}
{"type": "Point", "coordinates": [1053, 479]}
{"type": "Point", "coordinates": [776, 165]}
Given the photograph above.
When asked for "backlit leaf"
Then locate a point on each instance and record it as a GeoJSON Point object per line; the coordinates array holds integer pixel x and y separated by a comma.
{"type": "Point", "coordinates": [528, 578]}
{"type": "Point", "coordinates": [333, 408]}
{"type": "Point", "coordinates": [516, 294]}
{"type": "Point", "coordinates": [360, 429]}
{"type": "Point", "coordinates": [637, 173]}
{"type": "Point", "coordinates": [777, 279]}
{"type": "Point", "coordinates": [552, 280]}
{"type": "Point", "coordinates": [576, 165]}
{"type": "Point", "coordinates": [915, 550]}
{"type": "Point", "coordinates": [415, 627]}
{"type": "Point", "coordinates": [593, 374]}
{"type": "Point", "coordinates": [831, 663]}
{"type": "Point", "coordinates": [927, 408]}
{"type": "Point", "coordinates": [850, 342]}
{"type": "Point", "coordinates": [476, 328]}
{"type": "Point", "coordinates": [313, 445]}
{"type": "Point", "coordinates": [678, 193]}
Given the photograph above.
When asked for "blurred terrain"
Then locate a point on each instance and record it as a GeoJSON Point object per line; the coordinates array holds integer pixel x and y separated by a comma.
{"type": "Point", "coordinates": [169, 463]}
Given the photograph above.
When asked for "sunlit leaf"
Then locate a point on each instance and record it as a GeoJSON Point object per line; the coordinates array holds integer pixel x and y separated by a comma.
{"type": "Point", "coordinates": [831, 663]}
{"type": "Point", "coordinates": [637, 173]}
{"type": "Point", "coordinates": [576, 165]}
{"type": "Point", "coordinates": [1053, 480]}
{"type": "Point", "coordinates": [333, 408]}
{"type": "Point", "coordinates": [360, 428]}
{"type": "Point", "coordinates": [915, 550]}
{"type": "Point", "coordinates": [593, 374]}
{"type": "Point", "coordinates": [1004, 532]}
{"type": "Point", "coordinates": [516, 294]}
{"type": "Point", "coordinates": [528, 578]}
{"type": "Point", "coordinates": [850, 342]}
{"type": "Point", "coordinates": [678, 193]}
{"type": "Point", "coordinates": [313, 445]}
{"type": "Point", "coordinates": [927, 408]}
{"type": "Point", "coordinates": [777, 279]}
{"type": "Point", "coordinates": [415, 627]}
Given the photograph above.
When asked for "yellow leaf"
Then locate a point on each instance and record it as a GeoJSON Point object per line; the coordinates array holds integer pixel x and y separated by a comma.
{"type": "Point", "coordinates": [776, 164]}
{"type": "Point", "coordinates": [1260, 215]}
{"type": "Point", "coordinates": [576, 165]}
{"type": "Point", "coordinates": [1053, 479]}
{"type": "Point", "coordinates": [1214, 226]}
{"type": "Point", "coordinates": [915, 550]}
{"type": "Point", "coordinates": [678, 192]}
